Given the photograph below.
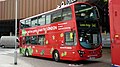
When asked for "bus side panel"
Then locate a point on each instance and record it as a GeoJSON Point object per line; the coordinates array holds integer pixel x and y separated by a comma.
{"type": "Point", "coordinates": [114, 10]}
{"type": "Point", "coordinates": [51, 43]}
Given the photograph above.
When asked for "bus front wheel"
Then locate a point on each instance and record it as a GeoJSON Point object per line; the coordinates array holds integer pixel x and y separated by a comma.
{"type": "Point", "coordinates": [56, 56]}
{"type": "Point", "coordinates": [3, 46]}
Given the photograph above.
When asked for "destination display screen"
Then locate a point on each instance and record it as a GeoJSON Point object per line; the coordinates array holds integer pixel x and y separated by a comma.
{"type": "Point", "coordinates": [87, 24]}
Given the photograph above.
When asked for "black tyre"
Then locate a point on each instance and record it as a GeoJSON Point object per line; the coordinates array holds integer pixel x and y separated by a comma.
{"type": "Point", "coordinates": [3, 46]}
{"type": "Point", "coordinates": [56, 56]}
{"type": "Point", "coordinates": [26, 53]}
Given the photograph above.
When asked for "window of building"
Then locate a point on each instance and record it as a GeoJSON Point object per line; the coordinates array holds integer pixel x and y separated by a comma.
{"type": "Point", "coordinates": [41, 20]}
{"type": "Point", "coordinates": [34, 40]}
{"type": "Point", "coordinates": [48, 19]}
{"type": "Point", "coordinates": [41, 39]}
{"type": "Point", "coordinates": [56, 16]}
{"type": "Point", "coordinates": [67, 13]}
{"type": "Point", "coordinates": [34, 22]}
{"type": "Point", "coordinates": [27, 39]}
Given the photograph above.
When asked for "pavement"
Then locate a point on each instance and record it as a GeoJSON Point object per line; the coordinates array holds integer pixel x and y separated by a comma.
{"type": "Point", "coordinates": [10, 62]}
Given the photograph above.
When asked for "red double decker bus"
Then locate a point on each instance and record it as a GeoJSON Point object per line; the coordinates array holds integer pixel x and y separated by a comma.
{"type": "Point", "coordinates": [114, 14]}
{"type": "Point", "coordinates": [68, 33]}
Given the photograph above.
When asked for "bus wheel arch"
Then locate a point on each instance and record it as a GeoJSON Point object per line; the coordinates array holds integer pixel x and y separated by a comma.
{"type": "Point", "coordinates": [56, 55]}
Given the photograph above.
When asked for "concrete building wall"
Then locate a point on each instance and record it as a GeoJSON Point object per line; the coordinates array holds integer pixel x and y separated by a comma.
{"type": "Point", "coordinates": [26, 8]}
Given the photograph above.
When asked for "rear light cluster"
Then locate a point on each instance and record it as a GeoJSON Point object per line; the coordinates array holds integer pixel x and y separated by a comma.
{"type": "Point", "coordinates": [81, 53]}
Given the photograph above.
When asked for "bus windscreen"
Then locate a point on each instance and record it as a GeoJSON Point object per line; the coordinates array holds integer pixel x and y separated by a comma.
{"type": "Point", "coordinates": [88, 26]}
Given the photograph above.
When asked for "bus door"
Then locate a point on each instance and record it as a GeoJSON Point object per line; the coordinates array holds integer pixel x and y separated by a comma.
{"type": "Point", "coordinates": [115, 30]}
{"type": "Point", "coordinates": [69, 44]}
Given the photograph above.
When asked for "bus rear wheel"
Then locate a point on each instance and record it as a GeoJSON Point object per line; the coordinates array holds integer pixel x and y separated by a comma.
{"type": "Point", "coordinates": [26, 53]}
{"type": "Point", "coordinates": [56, 56]}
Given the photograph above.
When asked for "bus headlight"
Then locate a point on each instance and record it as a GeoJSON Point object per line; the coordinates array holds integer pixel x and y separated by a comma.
{"type": "Point", "coordinates": [73, 52]}
{"type": "Point", "coordinates": [81, 53]}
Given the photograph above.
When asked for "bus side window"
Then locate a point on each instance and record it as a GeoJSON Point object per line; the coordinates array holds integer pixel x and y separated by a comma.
{"type": "Point", "coordinates": [56, 16]}
{"type": "Point", "coordinates": [28, 23]}
{"type": "Point", "coordinates": [25, 24]}
{"type": "Point", "coordinates": [41, 39]}
{"type": "Point", "coordinates": [70, 38]}
{"type": "Point", "coordinates": [27, 40]}
{"type": "Point", "coordinates": [67, 13]}
{"type": "Point", "coordinates": [22, 24]}
{"type": "Point", "coordinates": [48, 19]}
{"type": "Point", "coordinates": [41, 20]}
{"type": "Point", "coordinates": [34, 22]}
{"type": "Point", "coordinates": [34, 40]}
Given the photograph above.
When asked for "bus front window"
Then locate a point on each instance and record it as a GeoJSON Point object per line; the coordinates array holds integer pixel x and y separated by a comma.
{"type": "Point", "coordinates": [85, 12]}
{"type": "Point", "coordinates": [88, 26]}
{"type": "Point", "coordinates": [89, 38]}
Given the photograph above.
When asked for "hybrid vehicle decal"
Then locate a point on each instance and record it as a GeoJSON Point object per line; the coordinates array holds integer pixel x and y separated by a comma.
{"type": "Point", "coordinates": [30, 50]}
{"type": "Point", "coordinates": [51, 50]}
{"type": "Point", "coordinates": [64, 53]}
{"type": "Point", "coordinates": [42, 52]}
{"type": "Point", "coordinates": [24, 32]}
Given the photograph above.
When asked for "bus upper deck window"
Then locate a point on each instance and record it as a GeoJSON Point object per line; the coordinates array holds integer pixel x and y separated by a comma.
{"type": "Point", "coordinates": [56, 16]}
{"type": "Point", "coordinates": [34, 22]}
{"type": "Point", "coordinates": [27, 23]}
{"type": "Point", "coordinates": [85, 12]}
{"type": "Point", "coordinates": [41, 20]}
{"type": "Point", "coordinates": [67, 14]}
{"type": "Point", "coordinates": [22, 23]}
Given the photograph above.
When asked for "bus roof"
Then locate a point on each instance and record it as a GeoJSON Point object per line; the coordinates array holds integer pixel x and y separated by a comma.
{"type": "Point", "coordinates": [49, 11]}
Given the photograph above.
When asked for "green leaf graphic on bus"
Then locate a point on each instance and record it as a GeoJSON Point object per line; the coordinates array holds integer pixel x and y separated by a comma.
{"type": "Point", "coordinates": [23, 32]}
{"type": "Point", "coordinates": [64, 54]}
{"type": "Point", "coordinates": [22, 50]}
{"type": "Point", "coordinates": [42, 52]}
{"type": "Point", "coordinates": [51, 50]}
{"type": "Point", "coordinates": [30, 50]}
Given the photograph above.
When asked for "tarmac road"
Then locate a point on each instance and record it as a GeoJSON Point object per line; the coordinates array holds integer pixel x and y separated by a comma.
{"type": "Point", "coordinates": [105, 61]}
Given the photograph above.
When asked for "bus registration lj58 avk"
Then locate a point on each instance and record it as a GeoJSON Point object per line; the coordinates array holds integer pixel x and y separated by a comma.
{"type": "Point", "coordinates": [70, 33]}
